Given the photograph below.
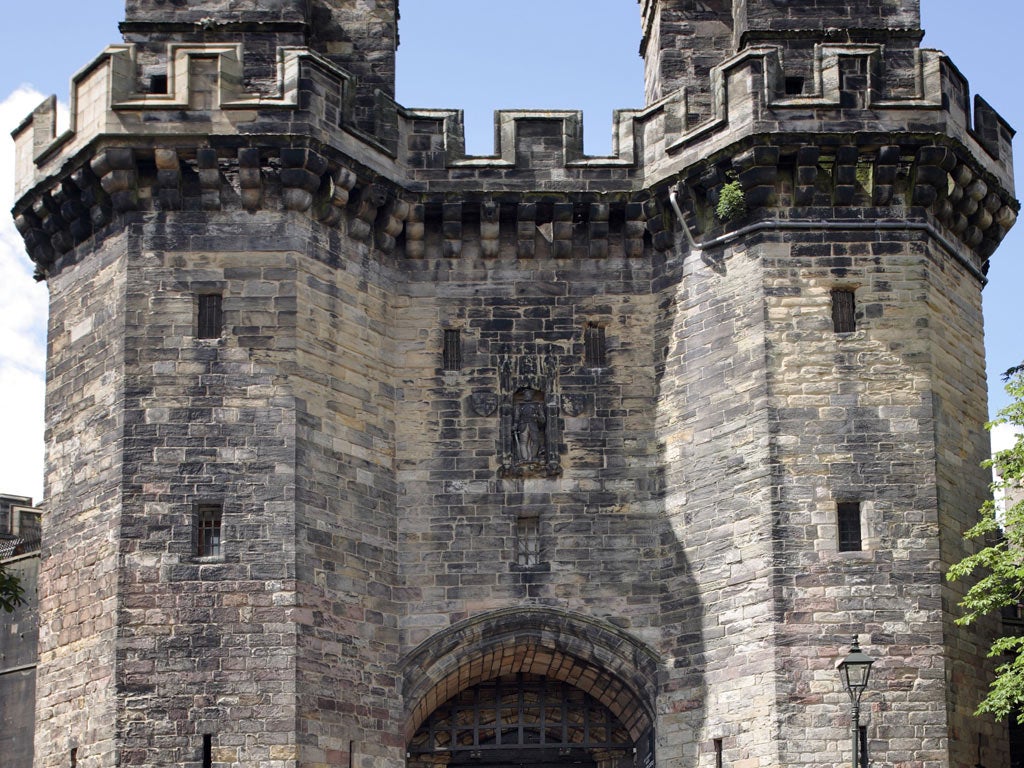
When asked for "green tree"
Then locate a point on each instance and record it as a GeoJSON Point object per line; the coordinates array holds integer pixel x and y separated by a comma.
{"type": "Point", "coordinates": [10, 591]}
{"type": "Point", "coordinates": [999, 565]}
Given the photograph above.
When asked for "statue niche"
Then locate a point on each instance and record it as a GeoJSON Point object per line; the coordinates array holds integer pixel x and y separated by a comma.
{"type": "Point", "coordinates": [529, 426]}
{"type": "Point", "coordinates": [529, 418]}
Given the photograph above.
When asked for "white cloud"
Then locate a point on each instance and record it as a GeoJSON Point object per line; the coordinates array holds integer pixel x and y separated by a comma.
{"type": "Point", "coordinates": [23, 309]}
{"type": "Point", "coordinates": [1004, 436]}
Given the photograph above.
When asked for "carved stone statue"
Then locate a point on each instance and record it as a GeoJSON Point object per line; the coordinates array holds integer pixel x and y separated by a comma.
{"type": "Point", "coordinates": [529, 422]}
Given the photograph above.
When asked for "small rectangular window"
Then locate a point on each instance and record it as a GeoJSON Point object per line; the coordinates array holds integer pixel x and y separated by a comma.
{"type": "Point", "coordinates": [74, 757]}
{"type": "Point", "coordinates": [849, 526]}
{"type": "Point", "coordinates": [528, 541]}
{"type": "Point", "coordinates": [452, 350]}
{"type": "Point", "coordinates": [158, 83]}
{"type": "Point", "coordinates": [843, 309]}
{"type": "Point", "coordinates": [862, 742]}
{"type": "Point", "coordinates": [718, 753]}
{"type": "Point", "coordinates": [593, 340]}
{"type": "Point", "coordinates": [211, 317]}
{"type": "Point", "coordinates": [208, 541]}
{"type": "Point", "coordinates": [794, 86]}
{"type": "Point", "coordinates": [207, 750]}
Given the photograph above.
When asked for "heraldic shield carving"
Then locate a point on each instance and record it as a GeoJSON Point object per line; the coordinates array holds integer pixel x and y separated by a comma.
{"type": "Point", "coordinates": [483, 403]}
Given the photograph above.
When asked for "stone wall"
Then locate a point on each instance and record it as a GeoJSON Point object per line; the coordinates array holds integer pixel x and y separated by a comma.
{"type": "Point", "coordinates": [346, 530]}
{"type": "Point", "coordinates": [534, 413]}
{"type": "Point", "coordinates": [713, 435]}
{"type": "Point", "coordinates": [76, 703]}
{"type": "Point", "coordinates": [853, 422]}
{"type": "Point", "coordinates": [961, 446]}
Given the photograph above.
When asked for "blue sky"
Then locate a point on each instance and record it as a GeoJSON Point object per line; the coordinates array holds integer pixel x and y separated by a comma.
{"type": "Point", "coordinates": [467, 54]}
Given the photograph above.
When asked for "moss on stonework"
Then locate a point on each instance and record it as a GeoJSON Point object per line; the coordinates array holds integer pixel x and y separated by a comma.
{"type": "Point", "coordinates": [864, 176]}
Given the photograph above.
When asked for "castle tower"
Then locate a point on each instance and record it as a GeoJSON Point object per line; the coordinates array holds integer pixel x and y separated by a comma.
{"type": "Point", "coordinates": [682, 42]}
{"type": "Point", "coordinates": [365, 452]}
{"type": "Point", "coordinates": [360, 36]}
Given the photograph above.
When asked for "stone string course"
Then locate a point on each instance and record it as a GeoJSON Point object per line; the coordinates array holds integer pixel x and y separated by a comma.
{"type": "Point", "coordinates": [685, 492]}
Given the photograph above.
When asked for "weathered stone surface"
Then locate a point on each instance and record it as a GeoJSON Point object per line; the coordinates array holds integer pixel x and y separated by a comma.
{"type": "Point", "coordinates": [686, 573]}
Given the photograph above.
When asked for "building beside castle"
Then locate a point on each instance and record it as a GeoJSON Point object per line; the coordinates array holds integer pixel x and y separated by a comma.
{"type": "Point", "coordinates": [364, 452]}
{"type": "Point", "coordinates": [19, 556]}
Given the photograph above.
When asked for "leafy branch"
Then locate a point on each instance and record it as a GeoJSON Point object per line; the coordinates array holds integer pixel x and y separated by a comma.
{"type": "Point", "coordinates": [1000, 563]}
{"type": "Point", "coordinates": [11, 592]}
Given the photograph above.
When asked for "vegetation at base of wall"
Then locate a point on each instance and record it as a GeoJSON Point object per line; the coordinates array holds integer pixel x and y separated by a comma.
{"type": "Point", "coordinates": [1000, 564]}
{"type": "Point", "coordinates": [731, 202]}
{"type": "Point", "coordinates": [11, 591]}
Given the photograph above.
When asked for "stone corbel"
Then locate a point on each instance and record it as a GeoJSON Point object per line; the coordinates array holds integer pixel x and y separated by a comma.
{"type": "Point", "coordinates": [392, 222]}
{"type": "Point", "coordinates": [208, 170]}
{"type": "Point", "coordinates": [333, 202]}
{"type": "Point", "coordinates": [490, 229]}
{"type": "Point", "coordinates": [636, 225]}
{"type": "Point", "coordinates": [415, 232]}
{"type": "Point", "coordinates": [300, 176]}
{"type": "Point", "coordinates": [250, 178]}
{"type": "Point", "coordinates": [886, 165]}
{"type": "Point", "coordinates": [599, 229]}
{"type": "Point", "coordinates": [561, 231]}
{"type": "Point", "coordinates": [369, 199]}
{"type": "Point", "coordinates": [806, 181]}
{"type": "Point", "coordinates": [115, 168]}
{"type": "Point", "coordinates": [451, 229]}
{"type": "Point", "coordinates": [526, 231]}
{"type": "Point", "coordinates": [47, 211]}
{"type": "Point", "coordinates": [168, 179]}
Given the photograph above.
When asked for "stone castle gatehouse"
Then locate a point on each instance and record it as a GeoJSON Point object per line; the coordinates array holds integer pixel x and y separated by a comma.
{"type": "Point", "coordinates": [364, 452]}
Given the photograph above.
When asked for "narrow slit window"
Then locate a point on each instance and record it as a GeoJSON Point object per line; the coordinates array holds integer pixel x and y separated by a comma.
{"type": "Point", "coordinates": [594, 344]}
{"type": "Point", "coordinates": [843, 311]}
{"type": "Point", "coordinates": [207, 750]}
{"type": "Point", "coordinates": [718, 753]}
{"type": "Point", "coordinates": [74, 757]}
{"type": "Point", "coordinates": [862, 742]}
{"type": "Point", "coordinates": [211, 316]}
{"type": "Point", "coordinates": [849, 526]}
{"type": "Point", "coordinates": [208, 541]}
{"type": "Point", "coordinates": [452, 350]}
{"type": "Point", "coordinates": [528, 541]}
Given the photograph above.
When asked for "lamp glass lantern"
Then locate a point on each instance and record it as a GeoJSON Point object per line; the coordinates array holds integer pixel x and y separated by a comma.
{"type": "Point", "coordinates": [855, 671]}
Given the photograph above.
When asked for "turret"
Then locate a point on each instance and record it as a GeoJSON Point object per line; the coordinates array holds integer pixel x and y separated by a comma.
{"type": "Point", "coordinates": [357, 36]}
{"type": "Point", "coordinates": [682, 41]}
{"type": "Point", "coordinates": [361, 37]}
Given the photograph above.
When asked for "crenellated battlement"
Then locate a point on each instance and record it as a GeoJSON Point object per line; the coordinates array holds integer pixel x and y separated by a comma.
{"type": "Point", "coordinates": [208, 143]}
{"type": "Point", "coordinates": [205, 95]}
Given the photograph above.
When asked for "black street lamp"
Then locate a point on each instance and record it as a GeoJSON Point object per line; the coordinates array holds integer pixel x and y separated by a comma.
{"type": "Point", "coordinates": [855, 670]}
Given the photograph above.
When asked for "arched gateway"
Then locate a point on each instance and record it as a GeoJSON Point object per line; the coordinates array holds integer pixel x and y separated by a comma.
{"type": "Point", "coordinates": [530, 687]}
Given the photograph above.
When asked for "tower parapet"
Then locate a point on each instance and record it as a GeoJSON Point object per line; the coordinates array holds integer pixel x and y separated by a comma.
{"type": "Point", "coordinates": [808, 157]}
{"type": "Point", "coordinates": [361, 36]}
{"type": "Point", "coordinates": [361, 431]}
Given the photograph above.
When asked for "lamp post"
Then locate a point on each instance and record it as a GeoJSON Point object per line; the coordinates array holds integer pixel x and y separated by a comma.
{"type": "Point", "coordinates": [855, 670]}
